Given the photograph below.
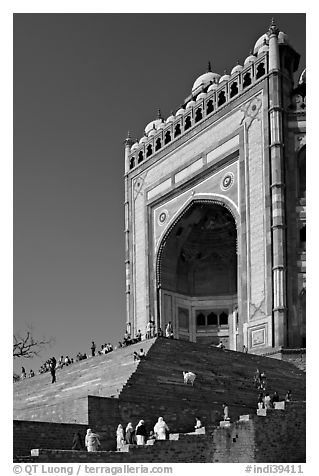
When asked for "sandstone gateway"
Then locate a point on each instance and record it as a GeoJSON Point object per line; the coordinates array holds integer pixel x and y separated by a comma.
{"type": "Point", "coordinates": [215, 244]}
{"type": "Point", "coordinates": [215, 208]}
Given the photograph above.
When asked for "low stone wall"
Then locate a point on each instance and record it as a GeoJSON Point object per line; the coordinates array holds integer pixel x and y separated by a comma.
{"type": "Point", "coordinates": [188, 449]}
{"type": "Point", "coordinates": [104, 417]}
{"type": "Point", "coordinates": [35, 434]}
{"type": "Point", "coordinates": [281, 435]}
{"type": "Point", "coordinates": [235, 444]}
{"type": "Point", "coordinates": [179, 415]}
{"type": "Point", "coordinates": [277, 437]}
{"type": "Point", "coordinates": [296, 357]}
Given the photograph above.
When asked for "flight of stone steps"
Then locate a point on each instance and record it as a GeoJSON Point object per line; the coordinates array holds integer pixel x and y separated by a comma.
{"type": "Point", "coordinates": [222, 375]}
{"type": "Point", "coordinates": [37, 398]}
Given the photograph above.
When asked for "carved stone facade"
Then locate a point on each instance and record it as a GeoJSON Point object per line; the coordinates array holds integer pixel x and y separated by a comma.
{"type": "Point", "coordinates": [215, 209]}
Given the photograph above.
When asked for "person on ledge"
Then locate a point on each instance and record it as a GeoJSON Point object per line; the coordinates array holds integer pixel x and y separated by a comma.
{"type": "Point", "coordinates": [275, 398]}
{"type": "Point", "coordinates": [267, 401]}
{"type": "Point", "coordinates": [160, 333]}
{"type": "Point", "coordinates": [160, 429]}
{"type": "Point", "coordinates": [151, 436]}
{"type": "Point", "coordinates": [260, 401]}
{"type": "Point", "coordinates": [148, 329]}
{"type": "Point", "coordinates": [52, 366]}
{"type": "Point", "coordinates": [198, 423]}
{"type": "Point", "coordinates": [126, 339]}
{"type": "Point", "coordinates": [263, 381]}
{"type": "Point", "coordinates": [140, 433]}
{"type": "Point", "coordinates": [257, 378]}
{"type": "Point", "coordinates": [226, 412]}
{"type": "Point", "coordinates": [92, 441]}
{"type": "Point", "coordinates": [169, 330]}
{"type": "Point", "coordinates": [77, 442]}
{"type": "Point", "coordinates": [119, 437]}
{"type": "Point", "coordinates": [93, 347]}
{"type": "Point", "coordinates": [152, 331]}
{"type": "Point", "coordinates": [288, 397]}
{"type": "Point", "coordinates": [129, 434]}
{"type": "Point", "coordinates": [60, 362]}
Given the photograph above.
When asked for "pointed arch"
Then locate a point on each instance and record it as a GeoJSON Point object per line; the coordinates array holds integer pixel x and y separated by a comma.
{"type": "Point", "coordinates": [217, 200]}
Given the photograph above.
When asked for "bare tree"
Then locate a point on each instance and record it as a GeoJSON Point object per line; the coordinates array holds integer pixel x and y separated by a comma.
{"type": "Point", "coordinates": [16, 377]}
{"type": "Point", "coordinates": [27, 345]}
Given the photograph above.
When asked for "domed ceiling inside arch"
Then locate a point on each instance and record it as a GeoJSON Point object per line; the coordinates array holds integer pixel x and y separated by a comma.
{"type": "Point", "coordinates": [199, 257]}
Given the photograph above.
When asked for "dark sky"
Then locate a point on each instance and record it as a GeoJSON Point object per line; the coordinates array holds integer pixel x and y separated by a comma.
{"type": "Point", "coordinates": [81, 81]}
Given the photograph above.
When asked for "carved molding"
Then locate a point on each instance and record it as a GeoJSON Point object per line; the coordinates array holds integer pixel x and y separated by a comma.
{"type": "Point", "coordinates": [251, 111]}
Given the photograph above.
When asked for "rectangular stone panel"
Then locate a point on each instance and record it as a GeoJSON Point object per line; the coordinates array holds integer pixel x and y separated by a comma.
{"type": "Point", "coordinates": [222, 149]}
{"type": "Point", "coordinates": [159, 188]}
{"type": "Point", "coordinates": [183, 318]}
{"type": "Point", "coordinates": [258, 336]}
{"type": "Point", "coordinates": [188, 170]}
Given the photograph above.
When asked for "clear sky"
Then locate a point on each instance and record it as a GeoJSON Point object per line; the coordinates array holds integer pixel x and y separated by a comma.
{"type": "Point", "coordinates": [81, 81]}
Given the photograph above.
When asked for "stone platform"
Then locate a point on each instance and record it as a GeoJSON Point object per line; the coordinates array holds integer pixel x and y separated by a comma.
{"type": "Point", "coordinates": [104, 391]}
{"type": "Point", "coordinates": [278, 438]}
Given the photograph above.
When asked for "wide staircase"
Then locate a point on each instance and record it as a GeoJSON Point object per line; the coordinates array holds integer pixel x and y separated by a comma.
{"type": "Point", "coordinates": [107, 390]}
{"type": "Point", "coordinates": [38, 399]}
{"type": "Point", "coordinates": [221, 376]}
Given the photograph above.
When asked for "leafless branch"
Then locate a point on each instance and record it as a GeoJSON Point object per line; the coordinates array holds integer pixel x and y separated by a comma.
{"type": "Point", "coordinates": [27, 345]}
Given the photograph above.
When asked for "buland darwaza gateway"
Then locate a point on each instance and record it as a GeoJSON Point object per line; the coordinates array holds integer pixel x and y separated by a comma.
{"type": "Point", "coordinates": [215, 208]}
{"type": "Point", "coordinates": [215, 243]}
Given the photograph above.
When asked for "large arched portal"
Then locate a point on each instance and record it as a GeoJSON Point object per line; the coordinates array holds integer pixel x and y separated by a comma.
{"type": "Point", "coordinates": [198, 275]}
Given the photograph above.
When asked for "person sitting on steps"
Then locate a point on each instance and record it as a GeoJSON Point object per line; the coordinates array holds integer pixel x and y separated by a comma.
{"type": "Point", "coordinates": [267, 401]}
{"type": "Point", "coordinates": [260, 401]}
{"type": "Point", "coordinates": [274, 399]}
{"type": "Point", "coordinates": [288, 397]}
{"type": "Point", "coordinates": [160, 333]}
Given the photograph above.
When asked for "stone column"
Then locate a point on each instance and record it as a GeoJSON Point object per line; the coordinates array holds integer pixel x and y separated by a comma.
{"type": "Point", "coordinates": [128, 143]}
{"type": "Point", "coordinates": [277, 191]}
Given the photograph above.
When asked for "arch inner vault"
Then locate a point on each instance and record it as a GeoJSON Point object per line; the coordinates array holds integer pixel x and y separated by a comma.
{"type": "Point", "coordinates": [197, 275]}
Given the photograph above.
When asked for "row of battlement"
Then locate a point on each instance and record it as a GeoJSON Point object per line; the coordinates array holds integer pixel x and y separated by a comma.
{"type": "Point", "coordinates": [207, 102]}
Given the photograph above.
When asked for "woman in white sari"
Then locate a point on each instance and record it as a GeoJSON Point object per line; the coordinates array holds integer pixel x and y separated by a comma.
{"type": "Point", "coordinates": [160, 429]}
{"type": "Point", "coordinates": [92, 441]}
{"type": "Point", "coordinates": [119, 437]}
